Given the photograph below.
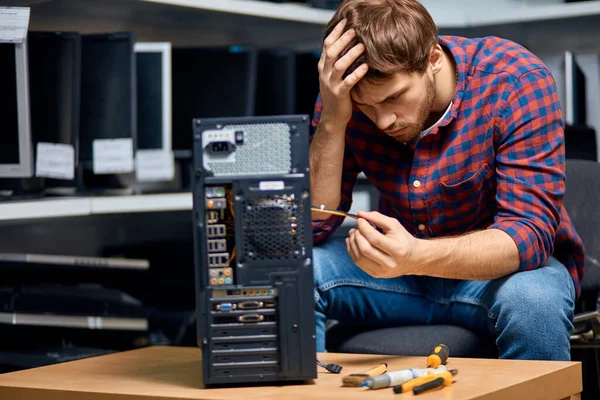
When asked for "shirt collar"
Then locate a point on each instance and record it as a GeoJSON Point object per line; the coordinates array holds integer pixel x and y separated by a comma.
{"type": "Point", "coordinates": [461, 59]}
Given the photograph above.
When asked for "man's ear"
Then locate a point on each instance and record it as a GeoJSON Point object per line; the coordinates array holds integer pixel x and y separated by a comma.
{"type": "Point", "coordinates": [435, 58]}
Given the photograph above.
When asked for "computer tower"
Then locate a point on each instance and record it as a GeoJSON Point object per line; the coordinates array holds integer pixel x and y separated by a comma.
{"type": "Point", "coordinates": [253, 250]}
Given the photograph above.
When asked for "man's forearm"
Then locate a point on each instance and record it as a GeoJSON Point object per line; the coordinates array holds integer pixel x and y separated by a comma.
{"type": "Point", "coordinates": [481, 255]}
{"type": "Point", "coordinates": [326, 165]}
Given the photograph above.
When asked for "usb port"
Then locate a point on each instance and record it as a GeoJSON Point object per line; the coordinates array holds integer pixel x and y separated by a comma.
{"type": "Point", "coordinates": [217, 245]}
{"type": "Point", "coordinates": [212, 217]}
{"type": "Point", "coordinates": [215, 231]}
{"type": "Point", "coordinates": [218, 260]}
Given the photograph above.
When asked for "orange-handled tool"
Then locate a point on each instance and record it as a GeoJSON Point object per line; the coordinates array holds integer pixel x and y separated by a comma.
{"type": "Point", "coordinates": [443, 377]}
{"type": "Point", "coordinates": [438, 356]}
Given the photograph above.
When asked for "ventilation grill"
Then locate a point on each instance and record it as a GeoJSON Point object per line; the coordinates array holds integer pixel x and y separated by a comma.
{"type": "Point", "coordinates": [273, 229]}
{"type": "Point", "coordinates": [266, 149]}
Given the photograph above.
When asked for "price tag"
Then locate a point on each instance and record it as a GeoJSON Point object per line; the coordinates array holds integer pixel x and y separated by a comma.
{"type": "Point", "coordinates": [14, 22]}
{"type": "Point", "coordinates": [154, 165]}
{"type": "Point", "coordinates": [113, 156]}
{"type": "Point", "coordinates": [55, 160]}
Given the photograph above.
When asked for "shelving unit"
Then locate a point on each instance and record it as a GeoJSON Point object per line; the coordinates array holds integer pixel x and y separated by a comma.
{"type": "Point", "coordinates": [264, 24]}
{"type": "Point", "coordinates": [73, 207]}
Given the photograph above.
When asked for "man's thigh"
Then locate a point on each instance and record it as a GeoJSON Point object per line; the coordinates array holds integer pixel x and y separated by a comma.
{"type": "Point", "coordinates": [346, 293]}
{"type": "Point", "coordinates": [543, 291]}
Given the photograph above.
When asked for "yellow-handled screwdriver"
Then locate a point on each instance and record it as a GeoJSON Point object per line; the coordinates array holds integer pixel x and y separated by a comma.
{"type": "Point", "coordinates": [445, 377]}
{"type": "Point", "coordinates": [438, 356]}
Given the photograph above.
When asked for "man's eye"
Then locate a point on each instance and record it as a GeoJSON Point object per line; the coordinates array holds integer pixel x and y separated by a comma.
{"type": "Point", "coordinates": [393, 98]}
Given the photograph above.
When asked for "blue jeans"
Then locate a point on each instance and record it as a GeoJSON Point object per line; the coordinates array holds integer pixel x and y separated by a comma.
{"type": "Point", "coordinates": [530, 313]}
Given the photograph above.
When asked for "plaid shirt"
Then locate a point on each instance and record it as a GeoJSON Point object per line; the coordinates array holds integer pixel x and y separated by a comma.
{"type": "Point", "coordinates": [496, 160]}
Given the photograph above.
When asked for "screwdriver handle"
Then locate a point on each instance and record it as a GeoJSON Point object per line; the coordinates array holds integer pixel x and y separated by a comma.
{"type": "Point", "coordinates": [428, 386]}
{"type": "Point", "coordinates": [438, 356]}
{"type": "Point", "coordinates": [442, 379]}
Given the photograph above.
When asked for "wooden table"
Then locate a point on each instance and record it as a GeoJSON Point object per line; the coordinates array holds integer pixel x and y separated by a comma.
{"type": "Point", "coordinates": [173, 373]}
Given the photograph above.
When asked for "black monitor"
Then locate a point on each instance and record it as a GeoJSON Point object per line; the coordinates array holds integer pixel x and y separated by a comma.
{"type": "Point", "coordinates": [211, 82]}
{"type": "Point", "coordinates": [108, 92]}
{"type": "Point", "coordinates": [307, 82]}
{"type": "Point", "coordinates": [276, 82]}
{"type": "Point", "coordinates": [574, 91]}
{"type": "Point", "coordinates": [55, 81]}
{"type": "Point", "coordinates": [153, 65]}
{"type": "Point", "coordinates": [16, 159]}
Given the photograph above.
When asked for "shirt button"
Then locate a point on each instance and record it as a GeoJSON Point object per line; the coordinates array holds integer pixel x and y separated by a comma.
{"type": "Point", "coordinates": [416, 183]}
{"type": "Point", "coordinates": [421, 227]}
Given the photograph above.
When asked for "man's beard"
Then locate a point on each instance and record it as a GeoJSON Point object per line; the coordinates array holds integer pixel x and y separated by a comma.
{"type": "Point", "coordinates": [413, 130]}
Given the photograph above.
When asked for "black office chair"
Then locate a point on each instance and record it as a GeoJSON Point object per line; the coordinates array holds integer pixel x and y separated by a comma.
{"type": "Point", "coordinates": [582, 200]}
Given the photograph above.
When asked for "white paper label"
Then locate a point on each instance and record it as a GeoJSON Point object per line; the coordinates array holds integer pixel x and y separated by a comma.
{"type": "Point", "coordinates": [113, 156]}
{"type": "Point", "coordinates": [271, 185]}
{"type": "Point", "coordinates": [55, 160]}
{"type": "Point", "coordinates": [14, 22]}
{"type": "Point", "coordinates": [154, 165]}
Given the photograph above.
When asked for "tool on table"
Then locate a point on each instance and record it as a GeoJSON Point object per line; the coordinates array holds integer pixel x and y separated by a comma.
{"type": "Point", "coordinates": [398, 377]}
{"type": "Point", "coordinates": [354, 380]}
{"type": "Point", "coordinates": [444, 379]}
{"type": "Point", "coordinates": [333, 368]}
{"type": "Point", "coordinates": [438, 356]}
{"type": "Point", "coordinates": [441, 378]}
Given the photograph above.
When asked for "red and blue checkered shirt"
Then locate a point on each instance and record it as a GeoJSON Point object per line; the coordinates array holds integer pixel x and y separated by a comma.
{"type": "Point", "coordinates": [496, 160]}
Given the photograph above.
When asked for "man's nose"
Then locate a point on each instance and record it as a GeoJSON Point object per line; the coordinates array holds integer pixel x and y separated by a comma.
{"type": "Point", "coordinates": [384, 120]}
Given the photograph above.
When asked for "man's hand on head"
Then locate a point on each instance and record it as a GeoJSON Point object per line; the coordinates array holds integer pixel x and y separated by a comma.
{"type": "Point", "coordinates": [385, 254]}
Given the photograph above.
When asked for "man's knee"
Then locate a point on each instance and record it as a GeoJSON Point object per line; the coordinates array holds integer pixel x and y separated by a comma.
{"type": "Point", "coordinates": [547, 292]}
{"type": "Point", "coordinates": [534, 313]}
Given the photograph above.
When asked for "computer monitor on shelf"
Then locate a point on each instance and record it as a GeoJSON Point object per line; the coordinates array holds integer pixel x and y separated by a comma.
{"type": "Point", "coordinates": [108, 106]}
{"type": "Point", "coordinates": [276, 82]}
{"type": "Point", "coordinates": [211, 82]}
{"type": "Point", "coordinates": [55, 81]}
{"type": "Point", "coordinates": [153, 65]}
{"type": "Point", "coordinates": [16, 158]}
{"type": "Point", "coordinates": [574, 91]}
{"type": "Point", "coordinates": [307, 81]}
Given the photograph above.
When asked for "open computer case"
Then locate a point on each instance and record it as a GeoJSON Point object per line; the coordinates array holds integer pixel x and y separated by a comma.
{"type": "Point", "coordinates": [253, 250]}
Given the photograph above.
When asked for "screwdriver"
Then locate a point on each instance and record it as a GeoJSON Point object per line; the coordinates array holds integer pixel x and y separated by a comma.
{"type": "Point", "coordinates": [438, 356]}
{"type": "Point", "coordinates": [441, 378]}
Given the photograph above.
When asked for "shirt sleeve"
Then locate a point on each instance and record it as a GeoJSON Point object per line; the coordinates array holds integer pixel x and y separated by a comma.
{"type": "Point", "coordinates": [324, 229]}
{"type": "Point", "coordinates": [530, 167]}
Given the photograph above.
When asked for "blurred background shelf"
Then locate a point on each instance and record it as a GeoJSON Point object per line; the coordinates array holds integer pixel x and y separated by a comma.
{"type": "Point", "coordinates": [296, 12]}
{"type": "Point", "coordinates": [264, 23]}
{"type": "Point", "coordinates": [73, 207]}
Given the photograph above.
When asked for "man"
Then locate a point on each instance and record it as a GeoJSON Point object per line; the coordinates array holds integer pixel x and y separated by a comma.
{"type": "Point", "coordinates": [463, 138]}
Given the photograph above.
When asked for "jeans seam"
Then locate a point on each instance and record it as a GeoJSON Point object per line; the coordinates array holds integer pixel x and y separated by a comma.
{"type": "Point", "coordinates": [474, 302]}
{"type": "Point", "coordinates": [361, 283]}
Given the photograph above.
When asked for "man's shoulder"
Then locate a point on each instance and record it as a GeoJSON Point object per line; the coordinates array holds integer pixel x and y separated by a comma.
{"type": "Point", "coordinates": [492, 55]}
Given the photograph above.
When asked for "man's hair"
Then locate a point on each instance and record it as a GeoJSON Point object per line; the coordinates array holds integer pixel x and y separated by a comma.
{"type": "Point", "coordinates": [397, 34]}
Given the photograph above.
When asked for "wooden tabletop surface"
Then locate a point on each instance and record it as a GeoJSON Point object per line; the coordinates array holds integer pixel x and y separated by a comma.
{"type": "Point", "coordinates": [162, 372]}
